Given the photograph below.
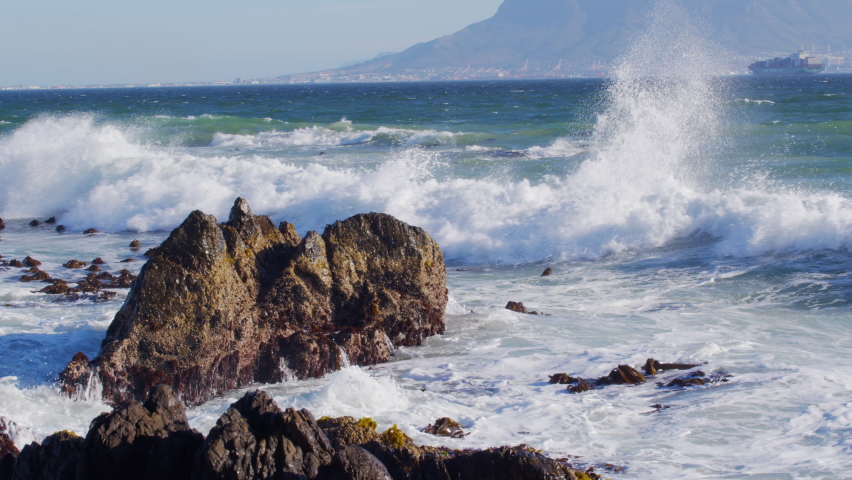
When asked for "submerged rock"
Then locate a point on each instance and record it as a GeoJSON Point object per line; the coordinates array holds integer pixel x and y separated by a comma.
{"type": "Point", "coordinates": [90, 231]}
{"type": "Point", "coordinates": [98, 261]}
{"type": "Point", "coordinates": [547, 272]}
{"type": "Point", "coordinates": [446, 427]}
{"type": "Point", "coordinates": [516, 307]}
{"type": "Point", "coordinates": [135, 245]}
{"type": "Point", "coordinates": [560, 379]}
{"type": "Point", "coordinates": [74, 264]}
{"type": "Point", "coordinates": [652, 367]}
{"type": "Point", "coordinates": [50, 221]}
{"type": "Point", "coordinates": [2, 224]}
{"type": "Point", "coordinates": [31, 262]}
{"type": "Point", "coordinates": [60, 228]}
{"type": "Point", "coordinates": [223, 306]}
{"type": "Point", "coordinates": [35, 223]}
{"type": "Point", "coordinates": [16, 263]}
{"type": "Point", "coordinates": [35, 276]}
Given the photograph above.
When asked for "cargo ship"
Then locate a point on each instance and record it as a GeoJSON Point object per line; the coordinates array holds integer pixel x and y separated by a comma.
{"type": "Point", "coordinates": [796, 64]}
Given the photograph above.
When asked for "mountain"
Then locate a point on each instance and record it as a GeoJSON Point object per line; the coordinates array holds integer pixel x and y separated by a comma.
{"type": "Point", "coordinates": [574, 35]}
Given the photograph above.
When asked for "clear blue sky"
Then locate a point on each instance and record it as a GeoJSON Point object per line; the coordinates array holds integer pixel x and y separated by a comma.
{"type": "Point", "coordinates": [61, 42]}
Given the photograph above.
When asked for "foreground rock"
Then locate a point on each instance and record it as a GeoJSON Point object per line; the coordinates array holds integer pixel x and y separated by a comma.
{"type": "Point", "coordinates": [218, 307]}
{"type": "Point", "coordinates": [254, 439]}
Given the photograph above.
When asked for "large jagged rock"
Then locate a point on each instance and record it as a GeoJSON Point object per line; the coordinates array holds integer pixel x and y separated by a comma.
{"type": "Point", "coordinates": [54, 459]}
{"type": "Point", "coordinates": [255, 439]}
{"type": "Point", "coordinates": [221, 306]}
{"type": "Point", "coordinates": [141, 441]}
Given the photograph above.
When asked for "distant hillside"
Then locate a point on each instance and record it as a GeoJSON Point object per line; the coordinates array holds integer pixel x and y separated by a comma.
{"type": "Point", "coordinates": [585, 33]}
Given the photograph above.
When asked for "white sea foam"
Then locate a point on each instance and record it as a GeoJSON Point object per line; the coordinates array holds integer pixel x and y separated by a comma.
{"type": "Point", "coordinates": [560, 147]}
{"type": "Point", "coordinates": [641, 187]}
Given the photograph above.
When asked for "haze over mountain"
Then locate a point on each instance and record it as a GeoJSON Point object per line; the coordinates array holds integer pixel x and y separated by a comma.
{"type": "Point", "coordinates": [581, 33]}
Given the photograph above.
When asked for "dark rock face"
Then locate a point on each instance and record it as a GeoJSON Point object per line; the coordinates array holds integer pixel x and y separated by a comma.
{"type": "Point", "coordinates": [141, 441]}
{"type": "Point", "coordinates": [255, 439]}
{"type": "Point", "coordinates": [55, 459]}
{"type": "Point", "coordinates": [2, 224]}
{"type": "Point", "coordinates": [222, 306]}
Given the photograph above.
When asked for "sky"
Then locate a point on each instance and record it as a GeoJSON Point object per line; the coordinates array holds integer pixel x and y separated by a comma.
{"type": "Point", "coordinates": [104, 42]}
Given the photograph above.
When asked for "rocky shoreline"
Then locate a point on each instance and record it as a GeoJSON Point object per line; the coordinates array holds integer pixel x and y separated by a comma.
{"type": "Point", "coordinates": [220, 306]}
{"type": "Point", "coordinates": [255, 439]}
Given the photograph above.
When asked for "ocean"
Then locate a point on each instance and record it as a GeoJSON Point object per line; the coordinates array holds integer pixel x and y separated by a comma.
{"type": "Point", "coordinates": [690, 218]}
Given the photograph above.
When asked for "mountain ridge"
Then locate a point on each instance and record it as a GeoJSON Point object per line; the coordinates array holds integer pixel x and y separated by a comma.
{"type": "Point", "coordinates": [579, 34]}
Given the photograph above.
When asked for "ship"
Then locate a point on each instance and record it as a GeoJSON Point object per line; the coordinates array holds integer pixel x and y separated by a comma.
{"type": "Point", "coordinates": [796, 64]}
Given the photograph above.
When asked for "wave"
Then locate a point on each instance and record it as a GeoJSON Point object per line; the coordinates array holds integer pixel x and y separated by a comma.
{"type": "Point", "coordinates": [97, 176]}
{"type": "Point", "coordinates": [322, 136]}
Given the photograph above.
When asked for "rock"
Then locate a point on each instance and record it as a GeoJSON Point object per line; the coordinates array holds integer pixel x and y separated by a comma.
{"type": "Point", "coordinates": [35, 223]}
{"type": "Point", "coordinates": [560, 379]}
{"type": "Point", "coordinates": [698, 378]}
{"type": "Point", "coordinates": [60, 228]}
{"type": "Point", "coordinates": [359, 464]}
{"type": "Point", "coordinates": [98, 261]}
{"type": "Point", "coordinates": [141, 441]}
{"type": "Point", "coordinates": [75, 378]}
{"type": "Point", "coordinates": [7, 446]}
{"type": "Point", "coordinates": [446, 427]}
{"type": "Point", "coordinates": [255, 439]}
{"type": "Point", "coordinates": [581, 385]}
{"type": "Point", "coordinates": [56, 289]}
{"type": "Point", "coordinates": [36, 276]}
{"type": "Point", "coordinates": [93, 268]}
{"type": "Point", "coordinates": [74, 264]}
{"type": "Point", "coordinates": [151, 252]}
{"type": "Point", "coordinates": [31, 262]}
{"type": "Point", "coordinates": [135, 245]}
{"type": "Point", "coordinates": [519, 308]}
{"type": "Point", "coordinates": [652, 367]}
{"type": "Point", "coordinates": [16, 263]}
{"type": "Point", "coordinates": [2, 224]}
{"type": "Point", "coordinates": [219, 307]}
{"type": "Point", "coordinates": [547, 272]}
{"type": "Point", "coordinates": [105, 296]}
{"type": "Point", "coordinates": [687, 382]}
{"type": "Point", "coordinates": [516, 307]}
{"type": "Point", "coordinates": [50, 221]}
{"type": "Point", "coordinates": [127, 260]}
{"type": "Point", "coordinates": [343, 431]}
{"type": "Point", "coordinates": [55, 458]}
{"type": "Point", "coordinates": [623, 374]}
{"type": "Point", "coordinates": [90, 231]}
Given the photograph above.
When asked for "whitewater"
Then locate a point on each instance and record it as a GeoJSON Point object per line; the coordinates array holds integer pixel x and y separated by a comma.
{"type": "Point", "coordinates": [687, 217]}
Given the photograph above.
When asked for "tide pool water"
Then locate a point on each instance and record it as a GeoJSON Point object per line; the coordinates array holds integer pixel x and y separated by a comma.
{"type": "Point", "coordinates": [686, 217]}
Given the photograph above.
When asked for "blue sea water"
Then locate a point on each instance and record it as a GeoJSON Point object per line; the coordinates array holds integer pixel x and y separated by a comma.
{"type": "Point", "coordinates": [689, 218]}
